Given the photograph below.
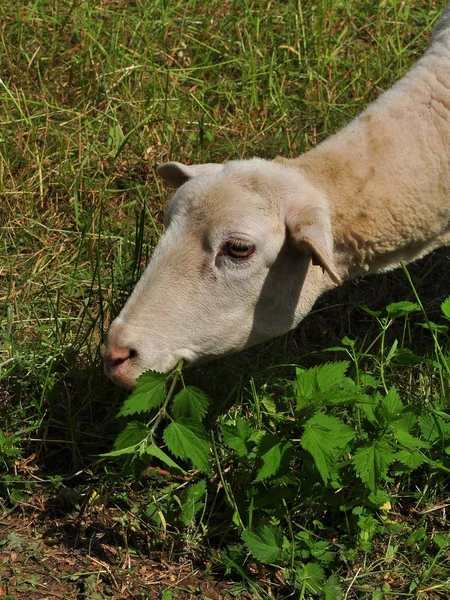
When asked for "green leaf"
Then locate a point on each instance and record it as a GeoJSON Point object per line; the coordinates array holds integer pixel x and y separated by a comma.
{"type": "Point", "coordinates": [369, 381]}
{"type": "Point", "coordinates": [437, 328]}
{"type": "Point", "coordinates": [368, 404]}
{"type": "Point", "coordinates": [407, 422]}
{"type": "Point", "coordinates": [133, 433]}
{"type": "Point", "coordinates": [402, 309]}
{"type": "Point", "coordinates": [128, 440]}
{"type": "Point", "coordinates": [380, 499]}
{"type": "Point", "coordinates": [416, 536]}
{"type": "Point", "coordinates": [410, 459]}
{"type": "Point", "coordinates": [264, 543]}
{"type": "Point", "coordinates": [188, 439]}
{"type": "Point", "coordinates": [332, 589]}
{"type": "Point", "coordinates": [404, 356]}
{"type": "Point", "coordinates": [271, 450]}
{"type": "Point", "coordinates": [409, 441]}
{"type": "Point", "coordinates": [392, 351]}
{"type": "Point", "coordinates": [391, 406]}
{"type": "Point", "coordinates": [324, 384]}
{"type": "Point", "coordinates": [320, 550]}
{"type": "Point", "coordinates": [121, 452]}
{"type": "Point", "coordinates": [318, 380]}
{"type": "Point", "coordinates": [149, 393]}
{"type": "Point", "coordinates": [368, 526]}
{"type": "Point", "coordinates": [445, 307]}
{"type": "Point", "coordinates": [238, 436]}
{"type": "Point", "coordinates": [325, 438]}
{"type": "Point", "coordinates": [191, 500]}
{"type": "Point", "coordinates": [270, 406]}
{"type": "Point", "coordinates": [310, 577]}
{"type": "Point", "coordinates": [190, 403]}
{"type": "Point", "coordinates": [441, 540]}
{"type": "Point", "coordinates": [153, 450]}
{"type": "Point", "coordinates": [372, 462]}
{"type": "Point", "coordinates": [369, 311]}
{"type": "Point", "coordinates": [433, 427]}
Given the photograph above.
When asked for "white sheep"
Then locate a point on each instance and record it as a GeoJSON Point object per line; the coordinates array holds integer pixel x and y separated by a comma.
{"type": "Point", "coordinates": [251, 244]}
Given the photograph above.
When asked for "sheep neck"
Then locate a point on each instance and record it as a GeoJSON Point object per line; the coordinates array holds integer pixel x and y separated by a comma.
{"type": "Point", "coordinates": [387, 174]}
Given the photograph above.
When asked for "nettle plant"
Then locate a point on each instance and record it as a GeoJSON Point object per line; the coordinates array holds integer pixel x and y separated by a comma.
{"type": "Point", "coordinates": [322, 443]}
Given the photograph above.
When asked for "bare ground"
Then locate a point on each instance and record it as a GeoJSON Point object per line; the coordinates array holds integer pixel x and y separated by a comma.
{"type": "Point", "coordinates": [46, 557]}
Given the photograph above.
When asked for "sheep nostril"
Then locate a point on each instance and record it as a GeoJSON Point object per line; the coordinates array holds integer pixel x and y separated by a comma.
{"type": "Point", "coordinates": [120, 356]}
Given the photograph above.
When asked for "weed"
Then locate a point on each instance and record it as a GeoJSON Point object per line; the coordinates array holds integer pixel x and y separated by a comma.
{"type": "Point", "coordinates": [323, 452]}
{"type": "Point", "coordinates": [350, 441]}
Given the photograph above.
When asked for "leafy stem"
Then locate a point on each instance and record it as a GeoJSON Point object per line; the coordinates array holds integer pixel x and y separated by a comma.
{"type": "Point", "coordinates": [176, 373]}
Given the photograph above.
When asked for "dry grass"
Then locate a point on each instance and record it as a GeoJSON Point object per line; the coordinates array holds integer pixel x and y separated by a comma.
{"type": "Point", "coordinates": [93, 95]}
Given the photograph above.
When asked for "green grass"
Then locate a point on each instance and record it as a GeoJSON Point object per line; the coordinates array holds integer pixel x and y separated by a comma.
{"type": "Point", "coordinates": [93, 95]}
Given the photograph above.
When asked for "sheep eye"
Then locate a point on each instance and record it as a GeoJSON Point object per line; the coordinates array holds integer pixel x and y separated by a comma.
{"type": "Point", "coordinates": [238, 249]}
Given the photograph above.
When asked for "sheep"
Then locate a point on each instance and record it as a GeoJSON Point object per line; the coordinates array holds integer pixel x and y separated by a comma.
{"type": "Point", "coordinates": [251, 244]}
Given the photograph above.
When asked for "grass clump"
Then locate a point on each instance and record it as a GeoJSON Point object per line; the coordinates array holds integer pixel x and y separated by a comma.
{"type": "Point", "coordinates": [315, 465]}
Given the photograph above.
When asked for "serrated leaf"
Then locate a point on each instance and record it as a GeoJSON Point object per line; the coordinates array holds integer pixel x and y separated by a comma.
{"type": "Point", "coordinates": [190, 403]}
{"type": "Point", "coordinates": [369, 381]}
{"type": "Point", "coordinates": [391, 406]}
{"type": "Point", "coordinates": [270, 451]}
{"type": "Point", "coordinates": [149, 393]}
{"type": "Point", "coordinates": [153, 450]}
{"type": "Point", "coordinates": [407, 422]}
{"type": "Point", "coordinates": [320, 550]}
{"type": "Point", "coordinates": [402, 309]}
{"type": "Point", "coordinates": [332, 589]}
{"type": "Point", "coordinates": [445, 307]}
{"type": "Point", "coordinates": [432, 427]}
{"type": "Point", "coordinates": [312, 385]}
{"type": "Point", "coordinates": [325, 438]}
{"type": "Point", "coordinates": [368, 527]}
{"type": "Point", "coordinates": [368, 404]}
{"type": "Point", "coordinates": [133, 433]}
{"type": "Point", "coordinates": [187, 439]}
{"type": "Point", "coordinates": [404, 356]}
{"type": "Point", "coordinates": [410, 459]}
{"type": "Point", "coordinates": [191, 501]}
{"type": "Point", "coordinates": [409, 441]}
{"type": "Point", "coordinates": [326, 375]}
{"type": "Point", "coordinates": [372, 462]}
{"type": "Point", "coordinates": [264, 543]}
{"type": "Point", "coordinates": [270, 406]}
{"type": "Point", "coordinates": [237, 436]}
{"type": "Point", "coordinates": [437, 328]}
{"type": "Point", "coordinates": [127, 441]}
{"type": "Point", "coordinates": [381, 499]}
{"type": "Point", "coordinates": [310, 577]}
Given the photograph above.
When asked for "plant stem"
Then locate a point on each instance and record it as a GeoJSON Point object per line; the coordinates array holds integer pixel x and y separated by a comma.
{"type": "Point", "coordinates": [162, 411]}
{"type": "Point", "coordinates": [225, 484]}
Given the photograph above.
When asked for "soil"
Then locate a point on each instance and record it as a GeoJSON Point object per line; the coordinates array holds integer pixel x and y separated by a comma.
{"type": "Point", "coordinates": [43, 557]}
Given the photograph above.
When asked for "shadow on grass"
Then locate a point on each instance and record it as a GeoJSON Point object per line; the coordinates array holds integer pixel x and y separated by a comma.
{"type": "Point", "coordinates": [79, 405]}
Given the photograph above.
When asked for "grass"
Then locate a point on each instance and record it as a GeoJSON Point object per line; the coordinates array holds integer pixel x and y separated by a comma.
{"type": "Point", "coordinates": [93, 95]}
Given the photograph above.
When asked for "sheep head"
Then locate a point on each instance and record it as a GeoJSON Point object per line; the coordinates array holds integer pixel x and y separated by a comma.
{"type": "Point", "coordinates": [247, 250]}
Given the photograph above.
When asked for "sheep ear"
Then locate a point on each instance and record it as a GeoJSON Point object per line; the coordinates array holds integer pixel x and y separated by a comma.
{"type": "Point", "coordinates": [176, 173]}
{"type": "Point", "coordinates": [310, 230]}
